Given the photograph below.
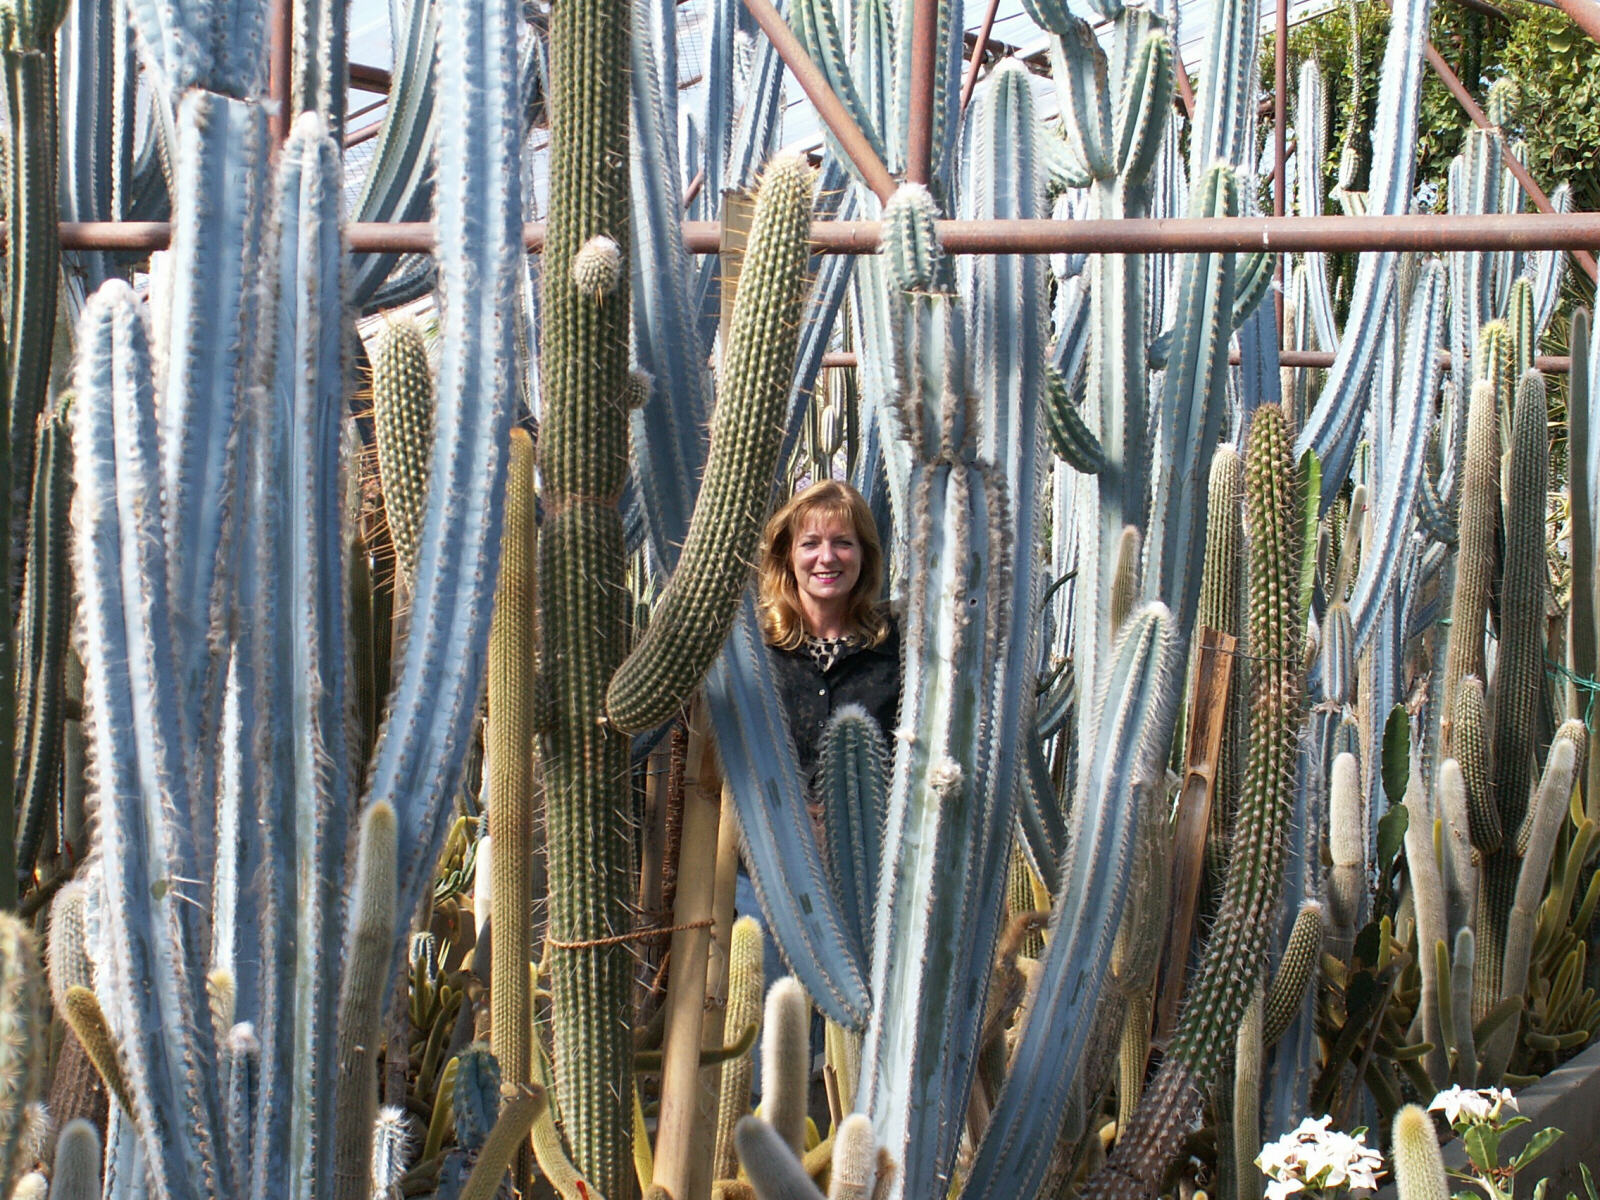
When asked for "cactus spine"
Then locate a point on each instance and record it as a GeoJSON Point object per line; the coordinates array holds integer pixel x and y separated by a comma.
{"type": "Point", "coordinates": [512, 799]}
{"type": "Point", "coordinates": [1234, 954]}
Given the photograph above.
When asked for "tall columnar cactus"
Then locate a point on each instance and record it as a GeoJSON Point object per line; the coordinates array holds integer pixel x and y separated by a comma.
{"type": "Point", "coordinates": [512, 798]}
{"type": "Point", "coordinates": [744, 1009]}
{"type": "Point", "coordinates": [1235, 953]}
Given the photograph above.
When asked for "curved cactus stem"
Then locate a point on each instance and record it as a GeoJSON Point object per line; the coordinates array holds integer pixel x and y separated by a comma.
{"type": "Point", "coordinates": [1333, 425]}
{"type": "Point", "coordinates": [1126, 757]}
{"type": "Point", "coordinates": [1039, 820]}
{"type": "Point", "coordinates": [785, 863]}
{"type": "Point", "coordinates": [1397, 490]}
{"type": "Point", "coordinates": [698, 606]}
{"type": "Point", "coordinates": [774, 1170]}
{"type": "Point", "coordinates": [398, 185]}
{"type": "Point", "coordinates": [155, 986]}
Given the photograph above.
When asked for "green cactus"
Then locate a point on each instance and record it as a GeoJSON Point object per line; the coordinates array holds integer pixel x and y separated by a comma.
{"type": "Point", "coordinates": [1470, 741]}
{"type": "Point", "coordinates": [786, 1061]}
{"type": "Point", "coordinates": [372, 908]}
{"type": "Point", "coordinates": [1476, 524]}
{"type": "Point", "coordinates": [1418, 1165]}
{"type": "Point", "coordinates": [505, 1139]}
{"type": "Point", "coordinates": [24, 1042]}
{"type": "Point", "coordinates": [1524, 329]}
{"type": "Point", "coordinates": [1070, 436]}
{"type": "Point", "coordinates": [1245, 1126]}
{"type": "Point", "coordinates": [512, 797]}
{"type": "Point", "coordinates": [695, 613]}
{"type": "Point", "coordinates": [1519, 680]}
{"type": "Point", "coordinates": [745, 952]}
{"type": "Point", "coordinates": [1234, 955]}
{"type": "Point", "coordinates": [1221, 608]}
{"type": "Point", "coordinates": [402, 410]}
{"type": "Point", "coordinates": [46, 617]}
{"type": "Point", "coordinates": [1125, 579]}
{"type": "Point", "coordinates": [1296, 969]}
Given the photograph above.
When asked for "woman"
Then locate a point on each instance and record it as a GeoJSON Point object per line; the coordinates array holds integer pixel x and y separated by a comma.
{"type": "Point", "coordinates": [832, 642]}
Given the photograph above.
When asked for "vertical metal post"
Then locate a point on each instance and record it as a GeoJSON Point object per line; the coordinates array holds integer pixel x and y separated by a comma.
{"type": "Point", "coordinates": [1280, 121]}
{"type": "Point", "coordinates": [924, 67]}
{"type": "Point", "coordinates": [281, 68]}
{"type": "Point", "coordinates": [1584, 13]}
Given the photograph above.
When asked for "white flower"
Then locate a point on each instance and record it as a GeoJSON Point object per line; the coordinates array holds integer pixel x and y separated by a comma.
{"type": "Point", "coordinates": [1314, 1156]}
{"type": "Point", "coordinates": [1474, 1106]}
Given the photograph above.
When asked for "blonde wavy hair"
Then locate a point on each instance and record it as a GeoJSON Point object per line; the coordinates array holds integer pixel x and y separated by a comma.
{"type": "Point", "coordinates": [781, 621]}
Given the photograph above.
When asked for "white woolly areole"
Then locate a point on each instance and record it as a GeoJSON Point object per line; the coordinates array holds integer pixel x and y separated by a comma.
{"type": "Point", "coordinates": [242, 1039]}
{"type": "Point", "coordinates": [944, 776]}
{"type": "Point", "coordinates": [597, 267]}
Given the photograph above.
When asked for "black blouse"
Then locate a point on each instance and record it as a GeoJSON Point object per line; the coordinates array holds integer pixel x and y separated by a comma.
{"type": "Point", "coordinates": [864, 675]}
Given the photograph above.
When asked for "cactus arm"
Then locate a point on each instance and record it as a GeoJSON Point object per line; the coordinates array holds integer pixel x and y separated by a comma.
{"type": "Point", "coordinates": [509, 1133]}
{"type": "Point", "coordinates": [1226, 119]}
{"type": "Point", "coordinates": [1039, 819]}
{"type": "Point", "coordinates": [1549, 267]}
{"type": "Point", "coordinates": [1078, 65]}
{"type": "Point", "coordinates": [513, 798]}
{"type": "Point", "coordinates": [853, 788]}
{"type": "Point", "coordinates": [320, 76]}
{"type": "Point", "coordinates": [372, 911]}
{"type": "Point", "coordinates": [295, 512]}
{"type": "Point", "coordinates": [398, 184]}
{"type": "Point", "coordinates": [1193, 401]}
{"type": "Point", "coordinates": [403, 409]}
{"type": "Point", "coordinates": [785, 865]}
{"type": "Point", "coordinates": [928, 893]}
{"type": "Point", "coordinates": [46, 617]}
{"type": "Point", "coordinates": [33, 261]}
{"type": "Point", "coordinates": [221, 171]}
{"type": "Point", "coordinates": [1016, 1150]}
{"type": "Point", "coordinates": [1428, 898]}
{"type": "Point", "coordinates": [775, 1171]}
{"type": "Point", "coordinates": [817, 27]}
{"type": "Point", "coordinates": [155, 984]}
{"type": "Point", "coordinates": [698, 607]}
{"type": "Point", "coordinates": [1397, 490]}
{"type": "Point", "coordinates": [479, 228]}
{"type": "Point", "coordinates": [1007, 328]}
{"type": "Point", "coordinates": [1311, 143]}
{"type": "Point", "coordinates": [1334, 422]}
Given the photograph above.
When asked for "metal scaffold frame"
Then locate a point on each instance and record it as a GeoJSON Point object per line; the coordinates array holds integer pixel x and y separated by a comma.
{"type": "Point", "coordinates": [1545, 229]}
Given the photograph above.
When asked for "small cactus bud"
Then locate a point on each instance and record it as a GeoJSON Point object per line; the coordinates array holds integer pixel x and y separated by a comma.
{"type": "Point", "coordinates": [909, 241]}
{"type": "Point", "coordinates": [597, 267]}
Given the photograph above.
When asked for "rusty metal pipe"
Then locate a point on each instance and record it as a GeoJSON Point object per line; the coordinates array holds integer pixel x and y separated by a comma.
{"type": "Point", "coordinates": [280, 69]}
{"type": "Point", "coordinates": [370, 79]}
{"type": "Point", "coordinates": [1585, 15]}
{"type": "Point", "coordinates": [1555, 364]}
{"type": "Point", "coordinates": [979, 49]}
{"type": "Point", "coordinates": [924, 67]}
{"type": "Point", "coordinates": [829, 107]}
{"type": "Point", "coordinates": [1479, 118]}
{"type": "Point", "coordinates": [1436, 232]}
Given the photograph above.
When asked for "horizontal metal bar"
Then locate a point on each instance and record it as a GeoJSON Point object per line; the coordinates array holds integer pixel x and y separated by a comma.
{"type": "Point", "coordinates": [370, 79]}
{"type": "Point", "coordinates": [1437, 233]}
{"type": "Point", "coordinates": [1555, 364]}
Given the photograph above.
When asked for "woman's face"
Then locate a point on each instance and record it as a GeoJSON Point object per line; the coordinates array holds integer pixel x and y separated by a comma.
{"type": "Point", "coordinates": [826, 561]}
